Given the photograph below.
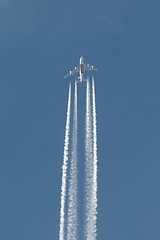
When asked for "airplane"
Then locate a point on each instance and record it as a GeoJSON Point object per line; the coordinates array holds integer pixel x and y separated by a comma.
{"type": "Point", "coordinates": [81, 68]}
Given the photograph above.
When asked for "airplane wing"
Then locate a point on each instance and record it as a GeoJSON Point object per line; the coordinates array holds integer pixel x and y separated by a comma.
{"type": "Point", "coordinates": [90, 67]}
{"type": "Point", "coordinates": [74, 71]}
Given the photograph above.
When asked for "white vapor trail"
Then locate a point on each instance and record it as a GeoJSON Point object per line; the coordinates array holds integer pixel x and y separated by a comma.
{"type": "Point", "coordinates": [89, 167]}
{"type": "Point", "coordinates": [64, 169]}
{"type": "Point", "coordinates": [72, 201]}
{"type": "Point", "coordinates": [69, 188]}
{"type": "Point", "coordinates": [95, 162]}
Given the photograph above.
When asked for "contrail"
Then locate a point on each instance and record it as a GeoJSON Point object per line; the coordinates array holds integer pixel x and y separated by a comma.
{"type": "Point", "coordinates": [69, 203]}
{"type": "Point", "coordinates": [89, 167]}
{"type": "Point", "coordinates": [72, 201]}
{"type": "Point", "coordinates": [95, 161]}
{"type": "Point", "coordinates": [64, 169]}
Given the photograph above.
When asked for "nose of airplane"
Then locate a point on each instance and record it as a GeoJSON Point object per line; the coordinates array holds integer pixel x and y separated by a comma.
{"type": "Point", "coordinates": [81, 60]}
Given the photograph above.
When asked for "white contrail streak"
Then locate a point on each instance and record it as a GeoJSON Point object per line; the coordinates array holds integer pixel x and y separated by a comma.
{"type": "Point", "coordinates": [89, 167]}
{"type": "Point", "coordinates": [64, 169]}
{"type": "Point", "coordinates": [69, 202]}
{"type": "Point", "coordinates": [72, 201]}
{"type": "Point", "coordinates": [95, 161]}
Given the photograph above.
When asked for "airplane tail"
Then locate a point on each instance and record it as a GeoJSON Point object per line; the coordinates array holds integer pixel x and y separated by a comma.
{"type": "Point", "coordinates": [79, 81]}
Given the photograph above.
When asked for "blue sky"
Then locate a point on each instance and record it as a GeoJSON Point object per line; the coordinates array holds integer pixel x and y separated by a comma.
{"type": "Point", "coordinates": [39, 42]}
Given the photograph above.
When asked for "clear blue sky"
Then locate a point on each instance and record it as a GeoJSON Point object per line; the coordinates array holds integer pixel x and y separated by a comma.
{"type": "Point", "coordinates": [40, 40]}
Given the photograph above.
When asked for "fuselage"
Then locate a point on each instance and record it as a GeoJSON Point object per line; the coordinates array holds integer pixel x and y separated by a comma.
{"type": "Point", "coordinates": [81, 70]}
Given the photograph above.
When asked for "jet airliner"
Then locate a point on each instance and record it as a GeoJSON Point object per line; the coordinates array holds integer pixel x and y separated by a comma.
{"type": "Point", "coordinates": [81, 68]}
